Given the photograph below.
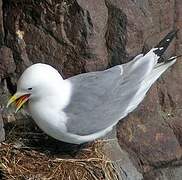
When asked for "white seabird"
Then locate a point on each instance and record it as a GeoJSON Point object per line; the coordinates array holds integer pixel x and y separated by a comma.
{"type": "Point", "coordinates": [87, 106]}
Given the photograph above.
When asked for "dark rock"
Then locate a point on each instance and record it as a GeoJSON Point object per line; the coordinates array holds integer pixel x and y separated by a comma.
{"type": "Point", "coordinates": [7, 65]}
{"type": "Point", "coordinates": [2, 132]}
{"type": "Point", "coordinates": [65, 34]}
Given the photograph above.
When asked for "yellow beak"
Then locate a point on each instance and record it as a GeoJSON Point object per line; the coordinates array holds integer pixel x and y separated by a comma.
{"type": "Point", "coordinates": [19, 99]}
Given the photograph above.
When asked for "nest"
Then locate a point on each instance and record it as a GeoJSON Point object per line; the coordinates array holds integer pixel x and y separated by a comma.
{"type": "Point", "coordinates": [33, 155]}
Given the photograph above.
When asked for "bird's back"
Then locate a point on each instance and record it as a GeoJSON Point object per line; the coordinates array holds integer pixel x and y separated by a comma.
{"type": "Point", "coordinates": [100, 99]}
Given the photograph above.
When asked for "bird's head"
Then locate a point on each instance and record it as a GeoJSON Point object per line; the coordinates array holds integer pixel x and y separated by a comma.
{"type": "Point", "coordinates": [34, 83]}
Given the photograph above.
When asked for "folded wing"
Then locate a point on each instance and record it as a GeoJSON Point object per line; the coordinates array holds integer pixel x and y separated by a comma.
{"type": "Point", "coordinates": [100, 99]}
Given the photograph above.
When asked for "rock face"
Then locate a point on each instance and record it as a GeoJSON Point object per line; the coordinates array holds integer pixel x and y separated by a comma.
{"type": "Point", "coordinates": [152, 134]}
{"type": "Point", "coordinates": [2, 133]}
{"type": "Point", "coordinates": [79, 36]}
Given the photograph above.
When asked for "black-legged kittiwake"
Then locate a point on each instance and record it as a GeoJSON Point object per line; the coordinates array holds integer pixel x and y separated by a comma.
{"type": "Point", "coordinates": [87, 106]}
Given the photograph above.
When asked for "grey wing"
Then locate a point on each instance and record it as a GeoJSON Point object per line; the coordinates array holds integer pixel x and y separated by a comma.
{"type": "Point", "coordinates": [101, 99]}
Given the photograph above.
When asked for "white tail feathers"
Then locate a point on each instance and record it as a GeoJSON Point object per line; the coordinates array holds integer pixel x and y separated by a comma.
{"type": "Point", "coordinates": [148, 81]}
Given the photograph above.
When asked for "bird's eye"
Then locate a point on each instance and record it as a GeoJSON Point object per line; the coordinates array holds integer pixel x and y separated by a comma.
{"type": "Point", "coordinates": [29, 89]}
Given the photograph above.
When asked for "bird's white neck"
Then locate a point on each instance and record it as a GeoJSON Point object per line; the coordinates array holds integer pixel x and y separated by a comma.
{"type": "Point", "coordinates": [57, 93]}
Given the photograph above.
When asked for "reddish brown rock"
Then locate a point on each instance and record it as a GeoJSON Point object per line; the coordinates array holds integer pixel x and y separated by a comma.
{"type": "Point", "coordinates": [173, 173]}
{"type": "Point", "coordinates": [1, 24]}
{"type": "Point", "coordinates": [95, 18]}
{"type": "Point", "coordinates": [153, 131]}
{"type": "Point", "coordinates": [148, 134]}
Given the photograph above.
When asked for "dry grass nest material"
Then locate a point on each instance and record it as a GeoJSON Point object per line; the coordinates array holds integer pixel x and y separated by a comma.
{"type": "Point", "coordinates": [19, 161]}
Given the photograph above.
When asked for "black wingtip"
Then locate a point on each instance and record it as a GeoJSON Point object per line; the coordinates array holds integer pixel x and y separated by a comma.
{"type": "Point", "coordinates": [172, 58]}
{"type": "Point", "coordinates": [164, 43]}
